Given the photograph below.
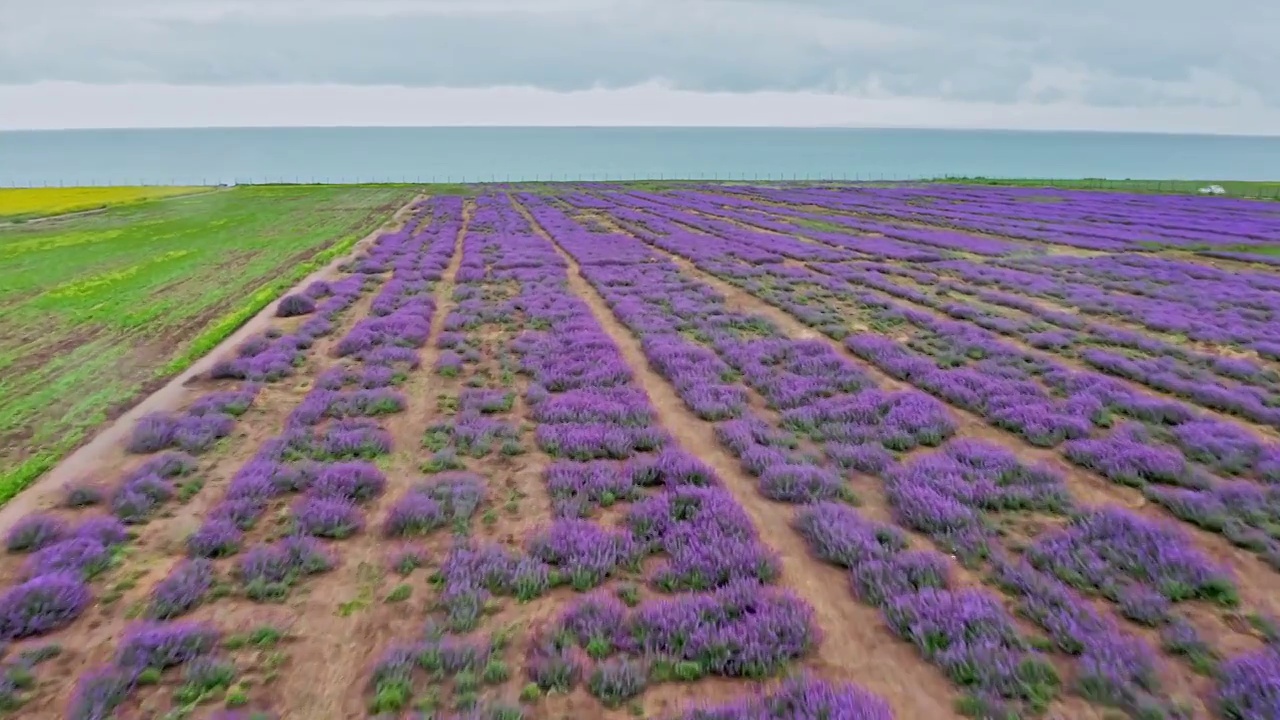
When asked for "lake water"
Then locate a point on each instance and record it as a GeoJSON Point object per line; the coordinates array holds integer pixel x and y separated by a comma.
{"type": "Point", "coordinates": [212, 155]}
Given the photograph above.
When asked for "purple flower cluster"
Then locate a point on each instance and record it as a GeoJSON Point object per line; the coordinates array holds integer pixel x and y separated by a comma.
{"type": "Point", "coordinates": [946, 494]}
{"type": "Point", "coordinates": [799, 698]}
{"type": "Point", "coordinates": [964, 632]}
{"type": "Point", "coordinates": [1111, 549]}
{"type": "Point", "coordinates": [272, 356]}
{"type": "Point", "coordinates": [296, 304]}
{"type": "Point", "coordinates": [324, 451]}
{"type": "Point", "coordinates": [1250, 686]}
{"type": "Point", "coordinates": [447, 499]}
{"type": "Point", "coordinates": [188, 432]}
{"type": "Point", "coordinates": [739, 630]}
{"type": "Point", "coordinates": [145, 645]}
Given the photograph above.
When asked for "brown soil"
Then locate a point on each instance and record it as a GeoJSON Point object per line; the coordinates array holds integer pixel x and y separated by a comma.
{"type": "Point", "coordinates": [334, 653]}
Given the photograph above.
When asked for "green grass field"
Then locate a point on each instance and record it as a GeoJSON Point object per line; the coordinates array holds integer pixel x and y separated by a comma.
{"type": "Point", "coordinates": [100, 309]}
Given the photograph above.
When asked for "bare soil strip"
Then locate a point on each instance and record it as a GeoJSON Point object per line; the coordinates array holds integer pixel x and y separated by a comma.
{"type": "Point", "coordinates": [334, 653]}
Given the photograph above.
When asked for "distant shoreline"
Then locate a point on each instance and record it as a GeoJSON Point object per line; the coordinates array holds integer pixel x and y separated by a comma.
{"type": "Point", "coordinates": [1250, 189]}
{"type": "Point", "coordinates": [350, 156]}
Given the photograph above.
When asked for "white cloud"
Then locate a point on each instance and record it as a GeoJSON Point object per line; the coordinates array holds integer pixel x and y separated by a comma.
{"type": "Point", "coordinates": [1168, 54]}
{"type": "Point", "coordinates": [77, 105]}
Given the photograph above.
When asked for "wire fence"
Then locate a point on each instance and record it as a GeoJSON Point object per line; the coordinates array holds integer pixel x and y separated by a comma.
{"type": "Point", "coordinates": [1246, 189]}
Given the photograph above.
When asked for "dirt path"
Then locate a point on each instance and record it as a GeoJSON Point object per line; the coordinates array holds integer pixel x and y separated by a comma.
{"type": "Point", "coordinates": [104, 450]}
{"type": "Point", "coordinates": [340, 624]}
{"type": "Point", "coordinates": [856, 645]}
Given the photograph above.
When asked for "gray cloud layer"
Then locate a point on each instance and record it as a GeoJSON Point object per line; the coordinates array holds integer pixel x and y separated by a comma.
{"type": "Point", "coordinates": [1092, 52]}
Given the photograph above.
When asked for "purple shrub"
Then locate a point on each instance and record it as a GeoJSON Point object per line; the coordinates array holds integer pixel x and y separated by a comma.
{"type": "Point", "coordinates": [215, 538]}
{"type": "Point", "coordinates": [34, 532]}
{"type": "Point", "coordinates": [106, 530]}
{"type": "Point", "coordinates": [617, 680]}
{"type": "Point", "coordinates": [878, 582]}
{"type": "Point", "coordinates": [1223, 447]}
{"type": "Point", "coordinates": [182, 590]}
{"type": "Point", "coordinates": [83, 556]}
{"type": "Point", "coordinates": [585, 552]}
{"type": "Point", "coordinates": [576, 487]}
{"type": "Point", "coordinates": [415, 513]}
{"type": "Point", "coordinates": [1127, 458]}
{"type": "Point", "coordinates": [837, 534]}
{"type": "Point", "coordinates": [267, 571]}
{"type": "Point", "coordinates": [82, 494]}
{"type": "Point", "coordinates": [672, 468]}
{"type": "Point", "coordinates": [42, 605]}
{"type": "Point", "coordinates": [136, 502]}
{"type": "Point", "coordinates": [294, 305]}
{"type": "Point", "coordinates": [589, 442]}
{"type": "Point", "coordinates": [800, 698]}
{"type": "Point", "coordinates": [164, 645]}
{"type": "Point", "coordinates": [552, 667]}
{"type": "Point", "coordinates": [596, 623]}
{"type": "Point", "coordinates": [152, 433]}
{"type": "Point", "coordinates": [1250, 686]}
{"type": "Point", "coordinates": [870, 458]}
{"type": "Point", "coordinates": [802, 484]}
{"type": "Point", "coordinates": [334, 518]}
{"type": "Point", "coordinates": [973, 639]}
{"type": "Point", "coordinates": [227, 402]}
{"type": "Point", "coordinates": [741, 630]}
{"type": "Point", "coordinates": [354, 481]}
{"type": "Point", "coordinates": [1144, 605]}
{"type": "Point", "coordinates": [99, 692]}
{"type": "Point", "coordinates": [1106, 549]}
{"type": "Point", "coordinates": [448, 498]}
{"type": "Point", "coordinates": [192, 433]}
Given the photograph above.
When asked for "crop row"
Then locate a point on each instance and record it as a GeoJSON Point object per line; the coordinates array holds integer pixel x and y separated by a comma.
{"type": "Point", "coordinates": [1230, 384]}
{"type": "Point", "coordinates": [1107, 222]}
{"type": "Point", "coordinates": [951, 496]}
{"type": "Point", "coordinates": [142, 493]}
{"type": "Point", "coordinates": [704, 604]}
{"type": "Point", "coordinates": [1165, 443]}
{"type": "Point", "coordinates": [1180, 637]}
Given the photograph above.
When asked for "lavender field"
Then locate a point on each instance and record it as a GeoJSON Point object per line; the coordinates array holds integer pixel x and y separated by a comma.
{"type": "Point", "coordinates": [702, 453]}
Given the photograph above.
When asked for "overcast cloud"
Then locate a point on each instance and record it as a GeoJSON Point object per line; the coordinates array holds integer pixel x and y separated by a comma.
{"type": "Point", "coordinates": [1215, 61]}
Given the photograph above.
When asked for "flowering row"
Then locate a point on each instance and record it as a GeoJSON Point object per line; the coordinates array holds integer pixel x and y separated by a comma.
{"type": "Point", "coordinates": [323, 454]}
{"type": "Point", "coordinates": [949, 497]}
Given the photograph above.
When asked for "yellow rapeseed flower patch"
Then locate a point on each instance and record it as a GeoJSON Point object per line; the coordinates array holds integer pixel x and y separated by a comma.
{"type": "Point", "coordinates": [40, 202]}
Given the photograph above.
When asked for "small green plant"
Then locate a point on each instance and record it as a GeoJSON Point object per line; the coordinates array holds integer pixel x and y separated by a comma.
{"type": "Point", "coordinates": [495, 672]}
{"type": "Point", "coordinates": [530, 693]}
{"type": "Point", "coordinates": [400, 593]}
{"type": "Point", "coordinates": [629, 594]}
{"type": "Point", "coordinates": [188, 489]}
{"type": "Point", "coordinates": [390, 696]}
{"type": "Point", "coordinates": [237, 696]}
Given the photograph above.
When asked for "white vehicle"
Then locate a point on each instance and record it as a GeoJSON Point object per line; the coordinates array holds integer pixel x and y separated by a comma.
{"type": "Point", "coordinates": [1213, 190]}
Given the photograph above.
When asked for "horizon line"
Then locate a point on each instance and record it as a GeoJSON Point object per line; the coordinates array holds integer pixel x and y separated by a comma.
{"type": "Point", "coordinates": [876, 128]}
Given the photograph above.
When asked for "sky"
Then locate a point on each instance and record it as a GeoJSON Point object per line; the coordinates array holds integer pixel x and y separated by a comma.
{"type": "Point", "coordinates": [1152, 65]}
